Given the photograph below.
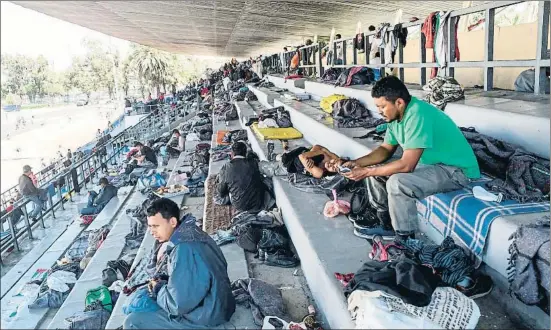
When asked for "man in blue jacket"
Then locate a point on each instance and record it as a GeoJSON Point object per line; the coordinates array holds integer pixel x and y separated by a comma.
{"type": "Point", "coordinates": [195, 293]}
{"type": "Point", "coordinates": [97, 201]}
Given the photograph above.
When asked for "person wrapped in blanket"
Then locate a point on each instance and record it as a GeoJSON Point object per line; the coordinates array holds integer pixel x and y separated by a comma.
{"type": "Point", "coordinates": [436, 159]}
{"type": "Point", "coordinates": [195, 292]}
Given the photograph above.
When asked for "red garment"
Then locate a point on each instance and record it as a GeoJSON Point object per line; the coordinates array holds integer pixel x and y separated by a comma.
{"type": "Point", "coordinates": [344, 278]}
{"type": "Point", "coordinates": [204, 91]}
{"type": "Point", "coordinates": [9, 208]}
{"type": "Point", "coordinates": [294, 76]}
{"type": "Point", "coordinates": [428, 30]}
{"type": "Point", "coordinates": [33, 179]}
{"type": "Point", "coordinates": [162, 97]}
{"type": "Point", "coordinates": [352, 72]}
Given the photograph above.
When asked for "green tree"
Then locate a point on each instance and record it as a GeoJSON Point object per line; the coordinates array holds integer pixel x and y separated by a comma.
{"type": "Point", "coordinates": [15, 71]}
{"type": "Point", "coordinates": [151, 65]}
{"type": "Point", "coordinates": [39, 75]}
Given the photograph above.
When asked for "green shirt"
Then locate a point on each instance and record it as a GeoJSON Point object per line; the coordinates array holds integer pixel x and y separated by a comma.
{"type": "Point", "coordinates": [426, 127]}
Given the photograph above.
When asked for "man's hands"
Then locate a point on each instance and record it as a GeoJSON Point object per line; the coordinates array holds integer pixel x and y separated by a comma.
{"type": "Point", "coordinates": [358, 173]}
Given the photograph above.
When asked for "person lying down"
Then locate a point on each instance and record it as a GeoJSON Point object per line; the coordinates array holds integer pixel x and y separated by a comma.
{"type": "Point", "coordinates": [317, 161]}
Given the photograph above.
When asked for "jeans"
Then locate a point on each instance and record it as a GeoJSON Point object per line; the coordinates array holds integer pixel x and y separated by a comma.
{"type": "Point", "coordinates": [400, 193]}
{"type": "Point", "coordinates": [38, 205]}
{"type": "Point", "coordinates": [90, 208]}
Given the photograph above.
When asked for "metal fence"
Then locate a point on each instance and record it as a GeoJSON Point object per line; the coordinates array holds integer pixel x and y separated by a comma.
{"type": "Point", "coordinates": [149, 127]}
{"type": "Point", "coordinates": [314, 61]}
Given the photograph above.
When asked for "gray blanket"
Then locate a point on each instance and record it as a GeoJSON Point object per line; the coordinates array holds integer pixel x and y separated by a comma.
{"type": "Point", "coordinates": [520, 175]}
{"type": "Point", "coordinates": [530, 254]}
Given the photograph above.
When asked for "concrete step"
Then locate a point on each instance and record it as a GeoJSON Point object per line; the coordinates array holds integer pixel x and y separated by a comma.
{"type": "Point", "coordinates": [30, 319]}
{"type": "Point", "coordinates": [317, 131]}
{"type": "Point", "coordinates": [324, 246]}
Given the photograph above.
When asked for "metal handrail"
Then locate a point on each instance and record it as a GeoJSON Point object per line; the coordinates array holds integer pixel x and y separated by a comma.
{"type": "Point", "coordinates": [540, 61]}
{"type": "Point", "coordinates": [87, 171]}
{"type": "Point", "coordinates": [43, 177]}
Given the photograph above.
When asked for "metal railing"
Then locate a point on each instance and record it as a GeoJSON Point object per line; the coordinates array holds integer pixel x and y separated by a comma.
{"type": "Point", "coordinates": [108, 153]}
{"type": "Point", "coordinates": [540, 61]}
{"type": "Point", "coordinates": [44, 176]}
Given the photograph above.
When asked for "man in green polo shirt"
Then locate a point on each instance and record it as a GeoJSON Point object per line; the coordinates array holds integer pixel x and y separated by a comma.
{"type": "Point", "coordinates": [436, 158]}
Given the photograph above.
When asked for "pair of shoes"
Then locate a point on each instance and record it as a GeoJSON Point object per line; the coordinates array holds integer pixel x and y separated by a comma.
{"type": "Point", "coordinates": [482, 286]}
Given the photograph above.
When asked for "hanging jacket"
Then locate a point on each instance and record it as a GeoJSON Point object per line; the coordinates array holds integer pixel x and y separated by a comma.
{"type": "Point", "coordinates": [428, 29]}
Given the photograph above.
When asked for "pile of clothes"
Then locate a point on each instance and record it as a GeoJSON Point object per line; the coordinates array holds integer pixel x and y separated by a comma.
{"type": "Point", "coordinates": [276, 117]}
{"type": "Point", "coordinates": [413, 287]}
{"type": "Point", "coordinates": [265, 234]}
{"type": "Point", "coordinates": [348, 112]}
{"type": "Point", "coordinates": [235, 135]}
{"type": "Point", "coordinates": [519, 175]}
{"type": "Point", "coordinates": [443, 90]}
{"type": "Point", "coordinates": [355, 76]}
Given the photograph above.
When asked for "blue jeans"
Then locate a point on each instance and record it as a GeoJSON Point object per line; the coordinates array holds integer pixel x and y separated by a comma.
{"type": "Point", "coordinates": [37, 207]}
{"type": "Point", "coordinates": [90, 208]}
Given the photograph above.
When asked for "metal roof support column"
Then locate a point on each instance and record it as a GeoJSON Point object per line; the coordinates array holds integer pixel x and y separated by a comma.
{"type": "Point", "coordinates": [489, 49]}
{"type": "Point", "coordinates": [354, 53]}
{"type": "Point", "coordinates": [344, 61]}
{"type": "Point", "coordinates": [422, 59]}
{"type": "Point", "coordinates": [400, 57]}
{"type": "Point", "coordinates": [451, 45]}
{"type": "Point", "coordinates": [334, 53]}
{"type": "Point", "coordinates": [367, 49]}
{"type": "Point", "coordinates": [319, 68]}
{"type": "Point", "coordinates": [541, 43]}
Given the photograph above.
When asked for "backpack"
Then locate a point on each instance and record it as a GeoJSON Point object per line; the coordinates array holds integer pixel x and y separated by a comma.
{"type": "Point", "coordinates": [283, 119]}
{"type": "Point", "coordinates": [100, 294]}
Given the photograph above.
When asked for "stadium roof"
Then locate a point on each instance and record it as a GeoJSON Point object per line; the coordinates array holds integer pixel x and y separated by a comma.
{"type": "Point", "coordinates": [231, 27]}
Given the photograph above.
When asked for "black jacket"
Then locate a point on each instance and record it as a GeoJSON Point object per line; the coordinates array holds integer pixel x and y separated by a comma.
{"type": "Point", "coordinates": [241, 179]}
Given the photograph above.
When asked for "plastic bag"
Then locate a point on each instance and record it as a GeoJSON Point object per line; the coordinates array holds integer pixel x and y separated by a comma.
{"type": "Point", "coordinates": [140, 301]}
{"type": "Point", "coordinates": [58, 280]}
{"type": "Point", "coordinates": [336, 206]}
{"type": "Point", "coordinates": [100, 294]}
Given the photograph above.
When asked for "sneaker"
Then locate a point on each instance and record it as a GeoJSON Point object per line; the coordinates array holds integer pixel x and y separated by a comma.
{"type": "Point", "coordinates": [365, 222]}
{"type": "Point", "coordinates": [368, 233]}
{"type": "Point", "coordinates": [482, 286]}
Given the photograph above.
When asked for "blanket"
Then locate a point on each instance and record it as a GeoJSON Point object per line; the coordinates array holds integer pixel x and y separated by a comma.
{"type": "Point", "coordinates": [468, 219]}
{"type": "Point", "coordinates": [519, 174]}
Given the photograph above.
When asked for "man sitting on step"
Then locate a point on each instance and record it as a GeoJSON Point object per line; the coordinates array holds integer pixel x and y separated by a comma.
{"type": "Point", "coordinates": [97, 201]}
{"type": "Point", "coordinates": [195, 292]}
{"type": "Point", "coordinates": [176, 144]}
{"type": "Point", "coordinates": [241, 181]}
{"type": "Point", "coordinates": [436, 159]}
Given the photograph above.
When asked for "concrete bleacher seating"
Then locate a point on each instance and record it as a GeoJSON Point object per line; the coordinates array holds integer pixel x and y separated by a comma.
{"type": "Point", "coordinates": [235, 257]}
{"type": "Point", "coordinates": [91, 277]}
{"type": "Point", "coordinates": [324, 246]}
{"type": "Point", "coordinates": [30, 319]}
{"type": "Point", "coordinates": [470, 112]}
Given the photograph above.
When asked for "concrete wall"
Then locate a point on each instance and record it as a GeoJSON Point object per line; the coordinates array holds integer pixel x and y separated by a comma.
{"type": "Point", "coordinates": [511, 43]}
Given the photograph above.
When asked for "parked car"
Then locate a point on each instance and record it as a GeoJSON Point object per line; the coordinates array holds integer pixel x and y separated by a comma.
{"type": "Point", "coordinates": [82, 102]}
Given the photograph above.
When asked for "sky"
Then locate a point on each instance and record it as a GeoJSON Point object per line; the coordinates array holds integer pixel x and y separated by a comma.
{"type": "Point", "coordinates": [31, 33]}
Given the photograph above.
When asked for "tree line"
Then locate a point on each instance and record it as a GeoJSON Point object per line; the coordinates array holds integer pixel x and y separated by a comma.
{"type": "Point", "coordinates": [143, 70]}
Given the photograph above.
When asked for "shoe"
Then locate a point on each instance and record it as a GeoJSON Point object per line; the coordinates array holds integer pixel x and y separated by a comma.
{"type": "Point", "coordinates": [364, 222]}
{"type": "Point", "coordinates": [281, 258]}
{"type": "Point", "coordinates": [368, 233]}
{"type": "Point", "coordinates": [482, 286]}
